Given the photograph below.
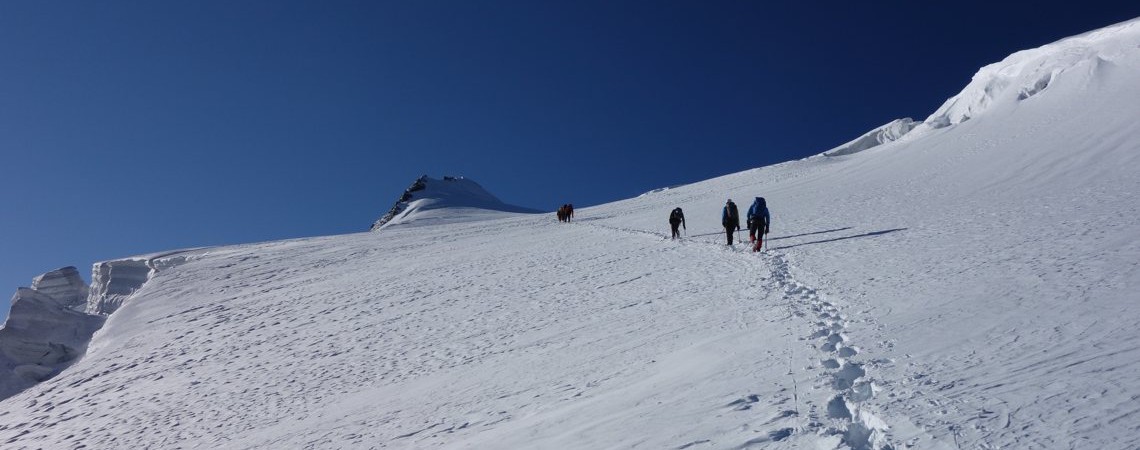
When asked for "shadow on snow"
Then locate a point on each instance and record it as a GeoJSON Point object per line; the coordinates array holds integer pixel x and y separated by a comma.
{"type": "Point", "coordinates": [808, 234]}
{"type": "Point", "coordinates": [871, 234]}
{"type": "Point", "coordinates": [721, 233]}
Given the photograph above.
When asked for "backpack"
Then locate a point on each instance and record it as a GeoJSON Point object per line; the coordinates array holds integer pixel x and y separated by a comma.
{"type": "Point", "coordinates": [676, 215]}
{"type": "Point", "coordinates": [758, 210]}
{"type": "Point", "coordinates": [731, 213]}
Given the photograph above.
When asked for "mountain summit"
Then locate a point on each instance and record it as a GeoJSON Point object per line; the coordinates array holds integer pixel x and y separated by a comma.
{"type": "Point", "coordinates": [452, 199]}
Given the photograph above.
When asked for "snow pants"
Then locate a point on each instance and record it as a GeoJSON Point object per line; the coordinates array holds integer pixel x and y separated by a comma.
{"type": "Point", "coordinates": [756, 234]}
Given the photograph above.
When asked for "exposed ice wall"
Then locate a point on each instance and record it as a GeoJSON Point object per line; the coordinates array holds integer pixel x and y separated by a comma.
{"type": "Point", "coordinates": [65, 286]}
{"type": "Point", "coordinates": [51, 323]}
{"type": "Point", "coordinates": [114, 281]}
{"type": "Point", "coordinates": [46, 330]}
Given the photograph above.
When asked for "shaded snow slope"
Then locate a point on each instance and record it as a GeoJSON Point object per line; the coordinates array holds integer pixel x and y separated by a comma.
{"type": "Point", "coordinates": [970, 287]}
{"type": "Point", "coordinates": [450, 200]}
{"type": "Point", "coordinates": [890, 132]}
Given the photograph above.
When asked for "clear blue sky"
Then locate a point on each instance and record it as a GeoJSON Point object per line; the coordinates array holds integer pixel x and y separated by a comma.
{"type": "Point", "coordinates": [135, 127]}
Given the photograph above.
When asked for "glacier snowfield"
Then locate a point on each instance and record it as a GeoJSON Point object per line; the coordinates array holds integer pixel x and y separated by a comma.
{"type": "Point", "coordinates": [970, 283]}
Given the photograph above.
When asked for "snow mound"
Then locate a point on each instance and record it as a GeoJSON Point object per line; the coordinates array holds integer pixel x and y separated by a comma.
{"type": "Point", "coordinates": [452, 199]}
{"type": "Point", "coordinates": [890, 132]}
{"type": "Point", "coordinates": [1028, 73]}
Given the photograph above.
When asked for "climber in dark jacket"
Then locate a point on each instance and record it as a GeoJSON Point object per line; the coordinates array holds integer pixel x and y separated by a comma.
{"type": "Point", "coordinates": [730, 218]}
{"type": "Point", "coordinates": [677, 219]}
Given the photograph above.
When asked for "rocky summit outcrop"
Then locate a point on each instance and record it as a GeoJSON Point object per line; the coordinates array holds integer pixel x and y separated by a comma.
{"type": "Point", "coordinates": [430, 201]}
{"type": "Point", "coordinates": [401, 203]}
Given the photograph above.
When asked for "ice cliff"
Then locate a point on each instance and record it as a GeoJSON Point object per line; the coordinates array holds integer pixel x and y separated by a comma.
{"type": "Point", "coordinates": [46, 330]}
{"type": "Point", "coordinates": [51, 323]}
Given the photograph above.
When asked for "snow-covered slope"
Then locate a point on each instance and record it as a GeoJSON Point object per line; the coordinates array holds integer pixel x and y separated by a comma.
{"type": "Point", "coordinates": [970, 285]}
{"type": "Point", "coordinates": [1084, 59]}
{"type": "Point", "coordinates": [452, 199]}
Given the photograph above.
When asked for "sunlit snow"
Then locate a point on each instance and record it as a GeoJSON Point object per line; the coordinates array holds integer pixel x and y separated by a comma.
{"type": "Point", "coordinates": [971, 283]}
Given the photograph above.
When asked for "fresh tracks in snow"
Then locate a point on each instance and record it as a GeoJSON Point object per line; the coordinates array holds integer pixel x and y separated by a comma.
{"type": "Point", "coordinates": [834, 366]}
{"type": "Point", "coordinates": [842, 415]}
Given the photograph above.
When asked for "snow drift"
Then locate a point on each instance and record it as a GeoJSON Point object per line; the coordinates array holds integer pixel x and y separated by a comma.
{"type": "Point", "coordinates": [890, 132]}
{"type": "Point", "coordinates": [970, 284]}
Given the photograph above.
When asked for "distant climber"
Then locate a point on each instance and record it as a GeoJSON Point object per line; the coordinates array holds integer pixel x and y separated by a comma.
{"type": "Point", "coordinates": [758, 221]}
{"type": "Point", "coordinates": [730, 218]}
{"type": "Point", "coordinates": [565, 212]}
{"type": "Point", "coordinates": [677, 219]}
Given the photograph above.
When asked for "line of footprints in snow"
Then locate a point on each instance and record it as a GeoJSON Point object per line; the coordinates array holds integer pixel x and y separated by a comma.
{"type": "Point", "coordinates": [848, 379]}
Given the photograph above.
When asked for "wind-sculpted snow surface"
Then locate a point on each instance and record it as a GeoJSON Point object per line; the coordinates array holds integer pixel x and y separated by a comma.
{"type": "Point", "coordinates": [1027, 73]}
{"type": "Point", "coordinates": [389, 339]}
{"type": "Point", "coordinates": [972, 286]}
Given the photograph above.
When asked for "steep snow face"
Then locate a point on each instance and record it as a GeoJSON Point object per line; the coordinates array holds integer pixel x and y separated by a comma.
{"type": "Point", "coordinates": [450, 200]}
{"type": "Point", "coordinates": [1080, 59]}
{"type": "Point", "coordinates": [114, 281]}
{"type": "Point", "coordinates": [890, 132]}
{"type": "Point", "coordinates": [971, 287]}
